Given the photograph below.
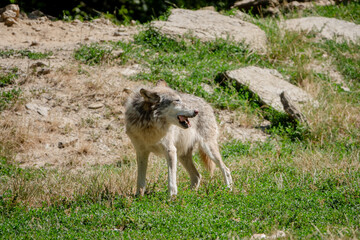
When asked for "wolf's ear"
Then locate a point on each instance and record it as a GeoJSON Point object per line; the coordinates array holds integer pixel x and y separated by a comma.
{"type": "Point", "coordinates": [161, 83]}
{"type": "Point", "coordinates": [149, 96]}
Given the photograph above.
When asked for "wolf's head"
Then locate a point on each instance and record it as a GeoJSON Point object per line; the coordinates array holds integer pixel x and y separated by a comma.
{"type": "Point", "coordinates": [167, 104]}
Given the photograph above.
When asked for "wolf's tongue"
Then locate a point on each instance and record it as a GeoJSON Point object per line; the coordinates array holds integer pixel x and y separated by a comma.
{"type": "Point", "coordinates": [184, 119]}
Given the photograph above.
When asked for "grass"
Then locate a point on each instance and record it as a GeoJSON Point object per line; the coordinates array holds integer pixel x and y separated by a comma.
{"type": "Point", "coordinates": [303, 180]}
{"type": "Point", "coordinates": [282, 193]}
{"type": "Point", "coordinates": [8, 96]}
{"type": "Point", "coordinates": [25, 53]}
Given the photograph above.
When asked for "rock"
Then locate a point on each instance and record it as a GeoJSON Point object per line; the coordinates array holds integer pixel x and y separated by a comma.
{"type": "Point", "coordinates": [247, 4]}
{"type": "Point", "coordinates": [276, 235]}
{"type": "Point", "coordinates": [118, 52]}
{"type": "Point", "coordinates": [35, 14]}
{"type": "Point", "coordinates": [295, 5]}
{"type": "Point", "coordinates": [243, 16]}
{"type": "Point", "coordinates": [43, 71]}
{"type": "Point", "coordinates": [34, 43]}
{"type": "Point", "coordinates": [291, 108]}
{"type": "Point", "coordinates": [272, 6]}
{"type": "Point", "coordinates": [245, 134]}
{"type": "Point", "coordinates": [14, 8]}
{"type": "Point", "coordinates": [268, 85]}
{"type": "Point", "coordinates": [43, 111]}
{"type": "Point", "coordinates": [258, 236]}
{"type": "Point", "coordinates": [10, 14]}
{"type": "Point", "coordinates": [10, 21]}
{"type": "Point", "coordinates": [207, 88]}
{"type": "Point", "coordinates": [67, 144]}
{"type": "Point", "coordinates": [209, 25]}
{"type": "Point", "coordinates": [120, 34]}
{"type": "Point", "coordinates": [328, 28]}
{"type": "Point", "coordinates": [210, 8]}
{"type": "Point", "coordinates": [95, 105]}
{"type": "Point", "coordinates": [76, 22]}
{"type": "Point", "coordinates": [130, 70]}
{"type": "Point", "coordinates": [37, 64]}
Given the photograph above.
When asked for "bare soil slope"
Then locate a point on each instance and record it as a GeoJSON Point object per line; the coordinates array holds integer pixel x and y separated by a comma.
{"type": "Point", "coordinates": [72, 114]}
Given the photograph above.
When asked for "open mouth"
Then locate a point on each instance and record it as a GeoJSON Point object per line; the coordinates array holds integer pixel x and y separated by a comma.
{"type": "Point", "coordinates": [184, 121]}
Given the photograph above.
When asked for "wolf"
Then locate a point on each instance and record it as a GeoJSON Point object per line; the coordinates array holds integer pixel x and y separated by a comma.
{"type": "Point", "coordinates": [169, 123]}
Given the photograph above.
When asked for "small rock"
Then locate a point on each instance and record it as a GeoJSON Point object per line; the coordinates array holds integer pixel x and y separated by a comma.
{"type": "Point", "coordinates": [278, 234]}
{"type": "Point", "coordinates": [43, 111]}
{"type": "Point", "coordinates": [118, 53]}
{"type": "Point", "coordinates": [258, 236]}
{"type": "Point", "coordinates": [43, 71]}
{"type": "Point", "coordinates": [67, 144]}
{"type": "Point", "coordinates": [209, 8]}
{"type": "Point", "coordinates": [37, 64]}
{"type": "Point", "coordinates": [36, 14]}
{"type": "Point", "coordinates": [95, 106]}
{"type": "Point", "coordinates": [10, 21]}
{"type": "Point", "coordinates": [76, 22]}
{"type": "Point", "coordinates": [36, 29]}
{"type": "Point", "coordinates": [131, 70]}
{"type": "Point", "coordinates": [207, 88]}
{"type": "Point", "coordinates": [34, 43]}
{"type": "Point", "coordinates": [119, 34]}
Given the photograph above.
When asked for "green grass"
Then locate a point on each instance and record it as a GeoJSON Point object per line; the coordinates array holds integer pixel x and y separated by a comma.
{"type": "Point", "coordinates": [8, 96]}
{"type": "Point", "coordinates": [268, 195]}
{"type": "Point", "coordinates": [8, 78]}
{"type": "Point", "coordinates": [25, 53]}
{"type": "Point", "coordinates": [92, 54]}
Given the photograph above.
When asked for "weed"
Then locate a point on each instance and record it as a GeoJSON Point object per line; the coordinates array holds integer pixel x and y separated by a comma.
{"type": "Point", "coordinates": [8, 78]}
{"type": "Point", "coordinates": [8, 98]}
{"type": "Point", "coordinates": [92, 54]}
{"type": "Point", "coordinates": [25, 53]}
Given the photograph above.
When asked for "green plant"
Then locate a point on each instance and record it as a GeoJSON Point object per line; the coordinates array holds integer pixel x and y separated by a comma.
{"type": "Point", "coordinates": [8, 78]}
{"type": "Point", "coordinates": [8, 98]}
{"type": "Point", "coordinates": [25, 53]}
{"type": "Point", "coordinates": [93, 54]}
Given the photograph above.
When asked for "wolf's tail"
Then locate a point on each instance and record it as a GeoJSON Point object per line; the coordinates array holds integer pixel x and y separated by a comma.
{"type": "Point", "coordinates": [209, 165]}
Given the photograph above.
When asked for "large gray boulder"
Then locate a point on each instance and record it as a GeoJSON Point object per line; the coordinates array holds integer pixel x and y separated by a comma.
{"type": "Point", "coordinates": [209, 25]}
{"type": "Point", "coordinates": [329, 28]}
{"type": "Point", "coordinates": [268, 84]}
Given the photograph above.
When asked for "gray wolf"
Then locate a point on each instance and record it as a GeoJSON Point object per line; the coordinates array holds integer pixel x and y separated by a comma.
{"type": "Point", "coordinates": [169, 123]}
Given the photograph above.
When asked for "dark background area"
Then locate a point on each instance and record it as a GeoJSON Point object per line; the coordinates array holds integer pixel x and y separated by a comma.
{"type": "Point", "coordinates": [123, 10]}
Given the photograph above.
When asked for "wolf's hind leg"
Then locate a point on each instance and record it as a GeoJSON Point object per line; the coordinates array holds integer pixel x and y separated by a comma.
{"type": "Point", "coordinates": [187, 162]}
{"type": "Point", "coordinates": [142, 161]}
{"type": "Point", "coordinates": [212, 150]}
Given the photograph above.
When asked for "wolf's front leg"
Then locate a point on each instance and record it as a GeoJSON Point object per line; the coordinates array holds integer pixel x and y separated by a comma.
{"type": "Point", "coordinates": [171, 158]}
{"type": "Point", "coordinates": [142, 161]}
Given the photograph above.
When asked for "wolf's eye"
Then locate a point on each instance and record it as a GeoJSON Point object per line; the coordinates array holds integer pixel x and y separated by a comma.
{"type": "Point", "coordinates": [177, 100]}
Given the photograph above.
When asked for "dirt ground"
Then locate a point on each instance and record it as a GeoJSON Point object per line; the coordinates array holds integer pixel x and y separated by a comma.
{"type": "Point", "coordinates": [72, 114]}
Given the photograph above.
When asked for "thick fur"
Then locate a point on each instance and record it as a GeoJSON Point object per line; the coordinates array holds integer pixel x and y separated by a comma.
{"type": "Point", "coordinates": [155, 123]}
